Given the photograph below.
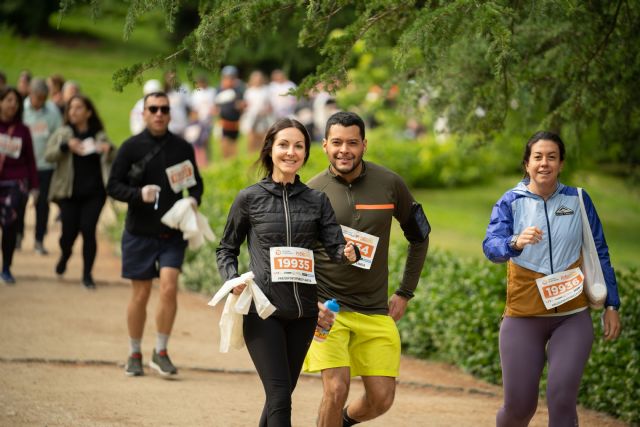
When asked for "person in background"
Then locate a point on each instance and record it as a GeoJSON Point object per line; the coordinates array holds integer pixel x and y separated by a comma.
{"type": "Point", "coordinates": [258, 114]}
{"type": "Point", "coordinates": [229, 107]}
{"type": "Point", "coordinates": [3, 80]}
{"type": "Point", "coordinates": [55, 83]}
{"type": "Point", "coordinates": [280, 212]}
{"type": "Point", "coordinates": [536, 228]}
{"type": "Point", "coordinates": [364, 340]}
{"type": "Point", "coordinates": [136, 116]}
{"type": "Point", "coordinates": [283, 104]}
{"type": "Point", "coordinates": [179, 100]}
{"type": "Point", "coordinates": [70, 88]}
{"type": "Point", "coordinates": [150, 249]}
{"type": "Point", "coordinates": [43, 118]}
{"type": "Point", "coordinates": [24, 80]}
{"type": "Point", "coordinates": [18, 173]}
{"type": "Point", "coordinates": [198, 133]}
{"type": "Point", "coordinates": [82, 155]}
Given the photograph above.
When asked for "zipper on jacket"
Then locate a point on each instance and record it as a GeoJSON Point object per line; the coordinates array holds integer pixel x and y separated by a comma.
{"type": "Point", "coordinates": [546, 216]}
{"type": "Point", "coordinates": [287, 222]}
{"type": "Point", "coordinates": [352, 203]}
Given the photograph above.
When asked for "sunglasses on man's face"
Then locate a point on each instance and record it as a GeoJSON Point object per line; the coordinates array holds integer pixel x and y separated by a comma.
{"type": "Point", "coordinates": [153, 109]}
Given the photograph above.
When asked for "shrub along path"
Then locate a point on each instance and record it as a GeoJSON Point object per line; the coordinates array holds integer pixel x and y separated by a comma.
{"type": "Point", "coordinates": [63, 350]}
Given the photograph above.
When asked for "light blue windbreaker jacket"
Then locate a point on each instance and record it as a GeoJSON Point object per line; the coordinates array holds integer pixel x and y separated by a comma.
{"type": "Point", "coordinates": [560, 220]}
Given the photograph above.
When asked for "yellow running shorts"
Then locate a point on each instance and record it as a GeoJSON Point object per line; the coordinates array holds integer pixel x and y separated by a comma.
{"type": "Point", "coordinates": [367, 343]}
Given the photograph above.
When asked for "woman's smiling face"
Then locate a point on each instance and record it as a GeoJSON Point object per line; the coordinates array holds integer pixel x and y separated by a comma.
{"type": "Point", "coordinates": [288, 153]}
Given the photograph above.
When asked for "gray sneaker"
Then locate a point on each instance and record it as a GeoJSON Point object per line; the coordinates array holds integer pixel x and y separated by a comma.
{"type": "Point", "coordinates": [161, 363]}
{"type": "Point", "coordinates": [40, 249]}
{"type": "Point", "coordinates": [134, 365]}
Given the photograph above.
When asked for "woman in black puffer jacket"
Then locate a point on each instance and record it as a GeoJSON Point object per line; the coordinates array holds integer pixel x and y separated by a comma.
{"type": "Point", "coordinates": [276, 213]}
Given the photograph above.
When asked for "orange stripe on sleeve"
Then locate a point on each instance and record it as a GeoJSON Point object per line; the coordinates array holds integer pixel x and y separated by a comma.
{"type": "Point", "coordinates": [376, 207]}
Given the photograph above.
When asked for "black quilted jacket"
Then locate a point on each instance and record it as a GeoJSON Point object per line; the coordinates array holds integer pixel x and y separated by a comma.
{"type": "Point", "coordinates": [269, 214]}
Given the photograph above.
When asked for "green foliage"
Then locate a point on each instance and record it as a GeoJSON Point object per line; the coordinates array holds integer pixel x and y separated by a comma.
{"type": "Point", "coordinates": [569, 64]}
{"type": "Point", "coordinates": [611, 382]}
{"type": "Point", "coordinates": [455, 317]}
{"type": "Point", "coordinates": [27, 18]}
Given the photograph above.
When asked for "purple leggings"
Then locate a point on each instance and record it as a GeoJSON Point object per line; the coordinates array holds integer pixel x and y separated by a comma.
{"type": "Point", "coordinates": [523, 341]}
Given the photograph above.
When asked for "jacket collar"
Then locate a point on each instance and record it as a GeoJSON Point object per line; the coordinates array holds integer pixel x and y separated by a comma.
{"type": "Point", "coordinates": [522, 189]}
{"type": "Point", "coordinates": [275, 188]}
{"type": "Point", "coordinates": [342, 181]}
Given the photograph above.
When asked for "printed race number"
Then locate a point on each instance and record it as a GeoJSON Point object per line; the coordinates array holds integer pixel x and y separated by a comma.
{"type": "Point", "coordinates": [290, 264]}
{"type": "Point", "coordinates": [181, 176]}
{"type": "Point", "coordinates": [558, 288]}
{"type": "Point", "coordinates": [367, 244]}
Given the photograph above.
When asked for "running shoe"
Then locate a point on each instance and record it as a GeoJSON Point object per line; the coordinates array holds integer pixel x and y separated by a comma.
{"type": "Point", "coordinates": [7, 277]}
{"type": "Point", "coordinates": [134, 365]}
{"type": "Point", "coordinates": [160, 362]}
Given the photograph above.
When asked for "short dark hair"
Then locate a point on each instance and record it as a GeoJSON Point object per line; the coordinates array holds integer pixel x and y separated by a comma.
{"type": "Point", "coordinates": [5, 92]}
{"type": "Point", "coordinates": [265, 161]}
{"type": "Point", "coordinates": [346, 119]}
{"type": "Point", "coordinates": [540, 135]}
{"type": "Point", "coordinates": [159, 94]}
{"type": "Point", "coordinates": [95, 124]}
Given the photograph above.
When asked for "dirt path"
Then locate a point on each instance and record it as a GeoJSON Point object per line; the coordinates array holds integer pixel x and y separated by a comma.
{"type": "Point", "coordinates": [63, 350]}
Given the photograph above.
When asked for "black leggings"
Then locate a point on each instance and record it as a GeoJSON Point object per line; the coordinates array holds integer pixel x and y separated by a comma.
{"type": "Point", "coordinates": [80, 215]}
{"type": "Point", "coordinates": [277, 348]}
{"type": "Point", "coordinates": [9, 233]}
{"type": "Point", "coordinates": [42, 204]}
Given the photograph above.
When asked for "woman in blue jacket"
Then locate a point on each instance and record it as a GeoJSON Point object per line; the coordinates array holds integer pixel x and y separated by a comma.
{"type": "Point", "coordinates": [537, 228]}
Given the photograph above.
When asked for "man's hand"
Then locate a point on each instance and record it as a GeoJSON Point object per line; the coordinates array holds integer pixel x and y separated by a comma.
{"type": "Point", "coordinates": [149, 193]}
{"type": "Point", "coordinates": [350, 252]}
{"type": "Point", "coordinates": [397, 307]}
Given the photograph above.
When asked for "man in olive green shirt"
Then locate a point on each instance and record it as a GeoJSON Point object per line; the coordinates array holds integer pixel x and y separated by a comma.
{"type": "Point", "coordinates": [364, 340]}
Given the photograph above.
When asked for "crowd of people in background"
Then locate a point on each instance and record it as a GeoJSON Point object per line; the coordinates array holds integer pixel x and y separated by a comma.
{"type": "Point", "coordinates": [53, 148]}
{"type": "Point", "coordinates": [235, 107]}
{"type": "Point", "coordinates": [60, 145]}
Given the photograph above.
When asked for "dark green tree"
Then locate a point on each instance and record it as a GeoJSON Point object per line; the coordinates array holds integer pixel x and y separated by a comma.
{"type": "Point", "coordinates": [571, 63]}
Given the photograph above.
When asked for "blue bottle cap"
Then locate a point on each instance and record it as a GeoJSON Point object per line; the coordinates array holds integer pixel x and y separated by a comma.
{"type": "Point", "coordinates": [332, 305]}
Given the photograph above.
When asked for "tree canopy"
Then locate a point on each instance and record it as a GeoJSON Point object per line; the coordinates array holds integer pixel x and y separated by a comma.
{"type": "Point", "coordinates": [571, 62]}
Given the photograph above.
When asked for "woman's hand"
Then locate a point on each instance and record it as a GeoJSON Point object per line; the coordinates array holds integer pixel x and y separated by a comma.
{"type": "Point", "coordinates": [325, 317]}
{"type": "Point", "coordinates": [75, 146]}
{"type": "Point", "coordinates": [612, 327]}
{"type": "Point", "coordinates": [528, 236]}
{"type": "Point", "coordinates": [238, 289]}
{"type": "Point", "coordinates": [350, 252]}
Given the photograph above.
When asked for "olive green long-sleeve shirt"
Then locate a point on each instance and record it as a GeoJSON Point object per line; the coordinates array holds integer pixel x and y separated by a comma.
{"type": "Point", "coordinates": [368, 204]}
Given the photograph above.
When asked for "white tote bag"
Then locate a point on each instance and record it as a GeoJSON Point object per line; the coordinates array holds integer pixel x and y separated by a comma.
{"type": "Point", "coordinates": [594, 285]}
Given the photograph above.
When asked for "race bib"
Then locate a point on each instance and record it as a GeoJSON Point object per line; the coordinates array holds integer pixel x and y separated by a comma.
{"type": "Point", "coordinates": [10, 145]}
{"type": "Point", "coordinates": [556, 289]}
{"type": "Point", "coordinates": [367, 244]}
{"type": "Point", "coordinates": [289, 264]}
{"type": "Point", "coordinates": [181, 176]}
{"type": "Point", "coordinates": [88, 146]}
{"type": "Point", "coordinates": [39, 129]}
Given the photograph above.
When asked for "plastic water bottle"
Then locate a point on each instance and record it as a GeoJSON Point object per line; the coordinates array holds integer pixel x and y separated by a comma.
{"type": "Point", "coordinates": [321, 333]}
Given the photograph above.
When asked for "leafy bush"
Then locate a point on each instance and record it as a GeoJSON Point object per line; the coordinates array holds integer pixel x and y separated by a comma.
{"type": "Point", "coordinates": [455, 317]}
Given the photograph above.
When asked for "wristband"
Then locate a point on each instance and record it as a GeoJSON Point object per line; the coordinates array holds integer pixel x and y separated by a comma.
{"type": "Point", "coordinates": [404, 293]}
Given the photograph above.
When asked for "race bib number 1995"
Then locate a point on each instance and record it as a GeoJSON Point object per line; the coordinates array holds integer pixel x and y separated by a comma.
{"type": "Point", "coordinates": [290, 264]}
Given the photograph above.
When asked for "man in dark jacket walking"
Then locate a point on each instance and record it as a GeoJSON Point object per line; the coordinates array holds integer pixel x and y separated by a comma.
{"type": "Point", "coordinates": [150, 173]}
